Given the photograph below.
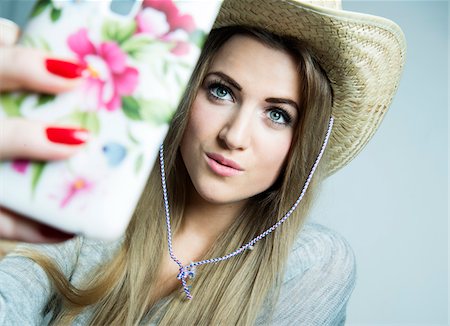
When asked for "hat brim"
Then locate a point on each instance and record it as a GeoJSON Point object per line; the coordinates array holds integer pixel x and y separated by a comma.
{"type": "Point", "coordinates": [363, 56]}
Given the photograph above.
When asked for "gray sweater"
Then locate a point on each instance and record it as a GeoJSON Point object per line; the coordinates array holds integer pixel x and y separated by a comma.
{"type": "Point", "coordinates": [318, 280]}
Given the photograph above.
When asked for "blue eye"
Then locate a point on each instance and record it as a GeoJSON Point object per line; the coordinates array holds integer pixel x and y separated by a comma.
{"type": "Point", "coordinates": [279, 116]}
{"type": "Point", "coordinates": [220, 92]}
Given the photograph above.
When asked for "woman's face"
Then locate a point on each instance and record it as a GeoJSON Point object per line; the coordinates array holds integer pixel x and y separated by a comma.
{"type": "Point", "coordinates": [241, 122]}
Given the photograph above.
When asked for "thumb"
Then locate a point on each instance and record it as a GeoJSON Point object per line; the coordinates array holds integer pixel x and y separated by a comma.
{"type": "Point", "coordinates": [9, 32]}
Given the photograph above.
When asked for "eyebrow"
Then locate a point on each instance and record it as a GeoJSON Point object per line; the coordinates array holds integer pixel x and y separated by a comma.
{"type": "Point", "coordinates": [282, 101]}
{"type": "Point", "coordinates": [227, 78]}
{"type": "Point", "coordinates": [235, 84]}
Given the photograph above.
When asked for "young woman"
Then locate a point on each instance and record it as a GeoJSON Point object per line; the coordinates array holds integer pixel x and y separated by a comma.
{"type": "Point", "coordinates": [235, 165]}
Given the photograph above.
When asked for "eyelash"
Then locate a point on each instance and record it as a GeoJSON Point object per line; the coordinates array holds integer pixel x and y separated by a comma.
{"type": "Point", "coordinates": [218, 83]}
{"type": "Point", "coordinates": [286, 116]}
{"type": "Point", "coordinates": [215, 84]}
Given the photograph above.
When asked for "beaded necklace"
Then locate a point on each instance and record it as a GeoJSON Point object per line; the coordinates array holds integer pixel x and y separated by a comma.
{"type": "Point", "coordinates": [188, 271]}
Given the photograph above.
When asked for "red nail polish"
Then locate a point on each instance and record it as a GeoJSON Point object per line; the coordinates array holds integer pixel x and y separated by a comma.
{"type": "Point", "coordinates": [64, 69]}
{"type": "Point", "coordinates": [69, 136]}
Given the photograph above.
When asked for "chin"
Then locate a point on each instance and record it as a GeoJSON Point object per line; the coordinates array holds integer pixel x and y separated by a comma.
{"type": "Point", "coordinates": [215, 194]}
{"type": "Point", "coordinates": [216, 197]}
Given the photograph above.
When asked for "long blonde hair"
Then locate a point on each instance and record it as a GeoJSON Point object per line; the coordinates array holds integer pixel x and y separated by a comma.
{"type": "Point", "coordinates": [229, 292]}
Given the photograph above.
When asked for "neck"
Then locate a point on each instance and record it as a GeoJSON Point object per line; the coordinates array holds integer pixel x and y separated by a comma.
{"type": "Point", "coordinates": [207, 220]}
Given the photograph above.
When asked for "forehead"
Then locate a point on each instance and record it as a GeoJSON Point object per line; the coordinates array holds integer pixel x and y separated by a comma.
{"type": "Point", "coordinates": [255, 65]}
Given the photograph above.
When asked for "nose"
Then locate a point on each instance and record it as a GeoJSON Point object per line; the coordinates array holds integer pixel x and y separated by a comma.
{"type": "Point", "coordinates": [236, 133]}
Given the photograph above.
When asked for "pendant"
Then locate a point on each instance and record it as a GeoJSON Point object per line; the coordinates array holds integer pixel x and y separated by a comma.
{"type": "Point", "coordinates": [186, 272]}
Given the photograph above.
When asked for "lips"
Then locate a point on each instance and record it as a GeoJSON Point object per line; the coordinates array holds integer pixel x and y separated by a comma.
{"type": "Point", "coordinates": [222, 166]}
{"type": "Point", "coordinates": [226, 162]}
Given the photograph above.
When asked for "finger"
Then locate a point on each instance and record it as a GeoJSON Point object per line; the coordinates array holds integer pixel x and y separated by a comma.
{"type": "Point", "coordinates": [18, 228]}
{"type": "Point", "coordinates": [35, 70]}
{"type": "Point", "coordinates": [21, 138]}
{"type": "Point", "coordinates": [9, 32]}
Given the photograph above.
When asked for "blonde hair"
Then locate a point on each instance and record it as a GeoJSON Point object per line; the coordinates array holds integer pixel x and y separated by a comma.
{"type": "Point", "coordinates": [230, 292]}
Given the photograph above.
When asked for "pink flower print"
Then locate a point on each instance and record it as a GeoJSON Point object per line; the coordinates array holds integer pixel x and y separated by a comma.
{"type": "Point", "coordinates": [153, 22]}
{"type": "Point", "coordinates": [20, 165]}
{"type": "Point", "coordinates": [107, 73]}
{"type": "Point", "coordinates": [74, 188]}
{"type": "Point", "coordinates": [80, 44]}
{"type": "Point", "coordinates": [162, 20]}
{"type": "Point", "coordinates": [173, 16]}
{"type": "Point", "coordinates": [181, 48]}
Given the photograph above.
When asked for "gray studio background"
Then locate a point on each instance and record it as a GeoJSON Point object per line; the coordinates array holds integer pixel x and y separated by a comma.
{"type": "Point", "coordinates": [391, 202]}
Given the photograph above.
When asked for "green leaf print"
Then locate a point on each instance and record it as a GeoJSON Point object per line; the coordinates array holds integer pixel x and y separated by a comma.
{"type": "Point", "coordinates": [37, 169]}
{"type": "Point", "coordinates": [87, 120]}
{"type": "Point", "coordinates": [126, 31]}
{"type": "Point", "coordinates": [37, 43]}
{"type": "Point", "coordinates": [43, 44]}
{"type": "Point", "coordinates": [132, 138]}
{"type": "Point", "coordinates": [156, 112]}
{"type": "Point", "coordinates": [44, 99]}
{"type": "Point", "coordinates": [91, 122]}
{"type": "Point", "coordinates": [11, 104]}
{"type": "Point", "coordinates": [118, 31]}
{"type": "Point", "coordinates": [55, 14]}
{"type": "Point", "coordinates": [28, 41]}
{"type": "Point", "coordinates": [131, 108]}
{"type": "Point", "coordinates": [39, 7]}
{"type": "Point", "coordinates": [136, 44]}
{"type": "Point", "coordinates": [141, 48]}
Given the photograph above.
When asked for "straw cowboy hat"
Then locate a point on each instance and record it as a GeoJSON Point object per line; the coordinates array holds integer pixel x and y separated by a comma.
{"type": "Point", "coordinates": [363, 57]}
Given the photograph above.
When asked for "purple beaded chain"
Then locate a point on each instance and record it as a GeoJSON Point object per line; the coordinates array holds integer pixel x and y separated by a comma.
{"type": "Point", "coordinates": [188, 271]}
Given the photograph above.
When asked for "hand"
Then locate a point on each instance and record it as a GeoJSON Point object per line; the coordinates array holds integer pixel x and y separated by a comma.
{"type": "Point", "coordinates": [24, 68]}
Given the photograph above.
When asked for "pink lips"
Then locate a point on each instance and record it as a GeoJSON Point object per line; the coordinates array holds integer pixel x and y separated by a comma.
{"type": "Point", "coordinates": [222, 166]}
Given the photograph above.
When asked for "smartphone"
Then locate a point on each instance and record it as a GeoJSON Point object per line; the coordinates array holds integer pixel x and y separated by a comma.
{"type": "Point", "coordinates": [136, 68]}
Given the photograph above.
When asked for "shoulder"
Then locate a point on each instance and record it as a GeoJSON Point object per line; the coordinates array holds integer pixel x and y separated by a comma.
{"type": "Point", "coordinates": [97, 251]}
{"type": "Point", "coordinates": [70, 255]}
{"type": "Point", "coordinates": [92, 254]}
{"type": "Point", "coordinates": [318, 281]}
{"type": "Point", "coordinates": [322, 248]}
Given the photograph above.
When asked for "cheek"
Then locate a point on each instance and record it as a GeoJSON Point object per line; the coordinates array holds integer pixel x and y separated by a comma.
{"type": "Point", "coordinates": [272, 156]}
{"type": "Point", "coordinates": [193, 129]}
{"type": "Point", "coordinates": [201, 121]}
{"type": "Point", "coordinates": [200, 131]}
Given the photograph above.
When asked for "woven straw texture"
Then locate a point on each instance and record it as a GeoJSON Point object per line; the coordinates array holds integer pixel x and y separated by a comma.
{"type": "Point", "coordinates": [363, 56]}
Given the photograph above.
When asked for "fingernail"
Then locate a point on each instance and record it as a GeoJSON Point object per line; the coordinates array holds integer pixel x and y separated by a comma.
{"type": "Point", "coordinates": [63, 68]}
{"type": "Point", "coordinates": [69, 136]}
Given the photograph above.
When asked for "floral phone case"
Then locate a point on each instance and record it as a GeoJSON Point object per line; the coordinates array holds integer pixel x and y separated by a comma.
{"type": "Point", "coordinates": [136, 69]}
